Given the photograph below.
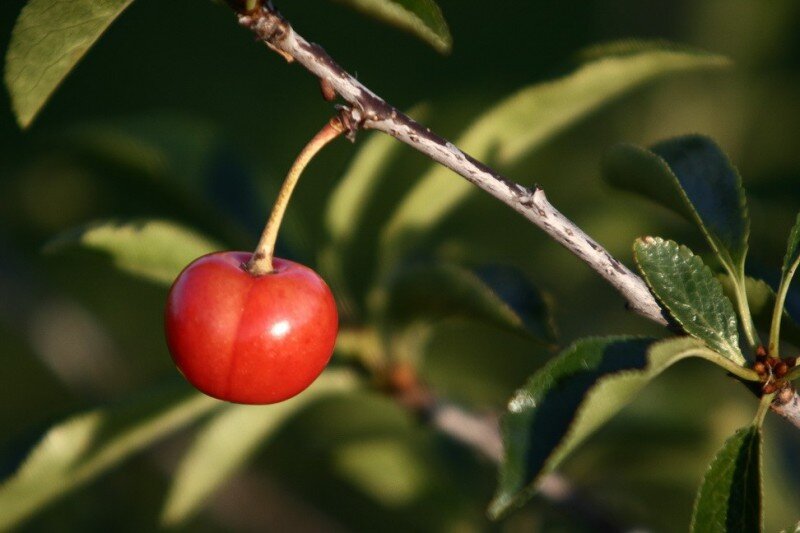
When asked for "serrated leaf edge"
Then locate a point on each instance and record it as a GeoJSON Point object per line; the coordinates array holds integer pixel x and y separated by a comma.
{"type": "Point", "coordinates": [738, 357]}
{"type": "Point", "coordinates": [759, 458]}
{"type": "Point", "coordinates": [501, 506]}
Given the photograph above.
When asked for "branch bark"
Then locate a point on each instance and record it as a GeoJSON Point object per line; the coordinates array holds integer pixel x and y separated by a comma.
{"type": "Point", "coordinates": [369, 111]}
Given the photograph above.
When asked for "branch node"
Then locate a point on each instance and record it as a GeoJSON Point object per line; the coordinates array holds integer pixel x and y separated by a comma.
{"type": "Point", "coordinates": [352, 120]}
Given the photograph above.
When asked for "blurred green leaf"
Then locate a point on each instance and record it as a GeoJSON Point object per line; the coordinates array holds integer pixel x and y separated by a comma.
{"type": "Point", "coordinates": [729, 499]}
{"type": "Point", "coordinates": [168, 147]}
{"type": "Point", "coordinates": [422, 18]}
{"type": "Point", "coordinates": [48, 40]}
{"type": "Point", "coordinates": [81, 448]}
{"type": "Point", "coordinates": [229, 439]}
{"type": "Point", "coordinates": [500, 296]}
{"type": "Point", "coordinates": [191, 164]}
{"type": "Point", "coordinates": [346, 216]}
{"type": "Point", "coordinates": [691, 293]}
{"type": "Point", "coordinates": [528, 119]}
{"type": "Point", "coordinates": [571, 397]}
{"type": "Point", "coordinates": [153, 249]}
{"type": "Point", "coordinates": [692, 176]}
{"type": "Point", "coordinates": [359, 183]}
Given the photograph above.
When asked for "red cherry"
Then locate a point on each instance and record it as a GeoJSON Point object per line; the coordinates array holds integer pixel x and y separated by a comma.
{"type": "Point", "coordinates": [250, 339]}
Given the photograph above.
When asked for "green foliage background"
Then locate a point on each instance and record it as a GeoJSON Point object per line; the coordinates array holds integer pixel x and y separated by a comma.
{"type": "Point", "coordinates": [228, 117]}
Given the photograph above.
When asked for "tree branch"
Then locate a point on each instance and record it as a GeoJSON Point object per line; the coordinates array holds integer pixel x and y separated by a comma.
{"type": "Point", "coordinates": [368, 111]}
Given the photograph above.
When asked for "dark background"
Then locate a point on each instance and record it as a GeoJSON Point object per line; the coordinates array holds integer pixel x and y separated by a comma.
{"type": "Point", "coordinates": [230, 116]}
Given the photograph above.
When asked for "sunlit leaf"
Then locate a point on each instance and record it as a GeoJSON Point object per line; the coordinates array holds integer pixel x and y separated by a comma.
{"type": "Point", "coordinates": [528, 119]}
{"type": "Point", "coordinates": [691, 293]}
{"type": "Point", "coordinates": [422, 18]}
{"type": "Point", "coordinates": [692, 176]}
{"type": "Point", "coordinates": [229, 439]}
{"type": "Point", "coordinates": [500, 296]}
{"type": "Point", "coordinates": [81, 448]}
{"type": "Point", "coordinates": [729, 499]}
{"type": "Point", "coordinates": [48, 40]}
{"type": "Point", "coordinates": [156, 250]}
{"type": "Point", "coordinates": [571, 397]}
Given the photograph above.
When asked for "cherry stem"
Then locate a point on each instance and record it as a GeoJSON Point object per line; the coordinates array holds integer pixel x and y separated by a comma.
{"type": "Point", "coordinates": [261, 261]}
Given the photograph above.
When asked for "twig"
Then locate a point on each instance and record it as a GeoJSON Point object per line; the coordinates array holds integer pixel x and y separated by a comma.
{"type": "Point", "coordinates": [370, 111]}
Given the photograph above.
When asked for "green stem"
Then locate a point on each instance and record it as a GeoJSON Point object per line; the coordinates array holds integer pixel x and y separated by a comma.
{"type": "Point", "coordinates": [777, 312]}
{"type": "Point", "coordinates": [744, 373]}
{"type": "Point", "coordinates": [746, 317]}
{"type": "Point", "coordinates": [261, 261]}
{"type": "Point", "coordinates": [763, 407]}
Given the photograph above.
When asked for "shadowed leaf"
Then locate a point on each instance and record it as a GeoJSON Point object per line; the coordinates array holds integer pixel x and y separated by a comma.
{"type": "Point", "coordinates": [693, 177]}
{"type": "Point", "coordinates": [500, 296]}
{"type": "Point", "coordinates": [48, 40]}
{"type": "Point", "coordinates": [571, 397]}
{"type": "Point", "coordinates": [729, 499]}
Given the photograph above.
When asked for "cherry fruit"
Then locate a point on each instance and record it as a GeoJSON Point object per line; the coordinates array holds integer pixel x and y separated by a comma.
{"type": "Point", "coordinates": [246, 338]}
{"type": "Point", "coordinates": [252, 328]}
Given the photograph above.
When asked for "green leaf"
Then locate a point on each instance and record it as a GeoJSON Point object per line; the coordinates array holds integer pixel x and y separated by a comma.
{"type": "Point", "coordinates": [729, 499]}
{"type": "Point", "coordinates": [81, 448]}
{"type": "Point", "coordinates": [691, 293]}
{"type": "Point", "coordinates": [156, 250]}
{"type": "Point", "coordinates": [229, 439]}
{"type": "Point", "coordinates": [792, 257]}
{"type": "Point", "coordinates": [422, 18]}
{"type": "Point", "coordinates": [571, 397]}
{"type": "Point", "coordinates": [498, 295]}
{"type": "Point", "coordinates": [48, 40]}
{"type": "Point", "coordinates": [790, 263]}
{"type": "Point", "coordinates": [527, 120]}
{"type": "Point", "coordinates": [692, 176]}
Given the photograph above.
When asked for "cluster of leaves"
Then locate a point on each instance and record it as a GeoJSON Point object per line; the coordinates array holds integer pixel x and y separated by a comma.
{"type": "Point", "coordinates": [560, 406]}
{"type": "Point", "coordinates": [584, 386]}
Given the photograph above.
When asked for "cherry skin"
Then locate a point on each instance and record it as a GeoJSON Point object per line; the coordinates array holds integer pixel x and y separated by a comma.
{"type": "Point", "coordinates": [245, 338]}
